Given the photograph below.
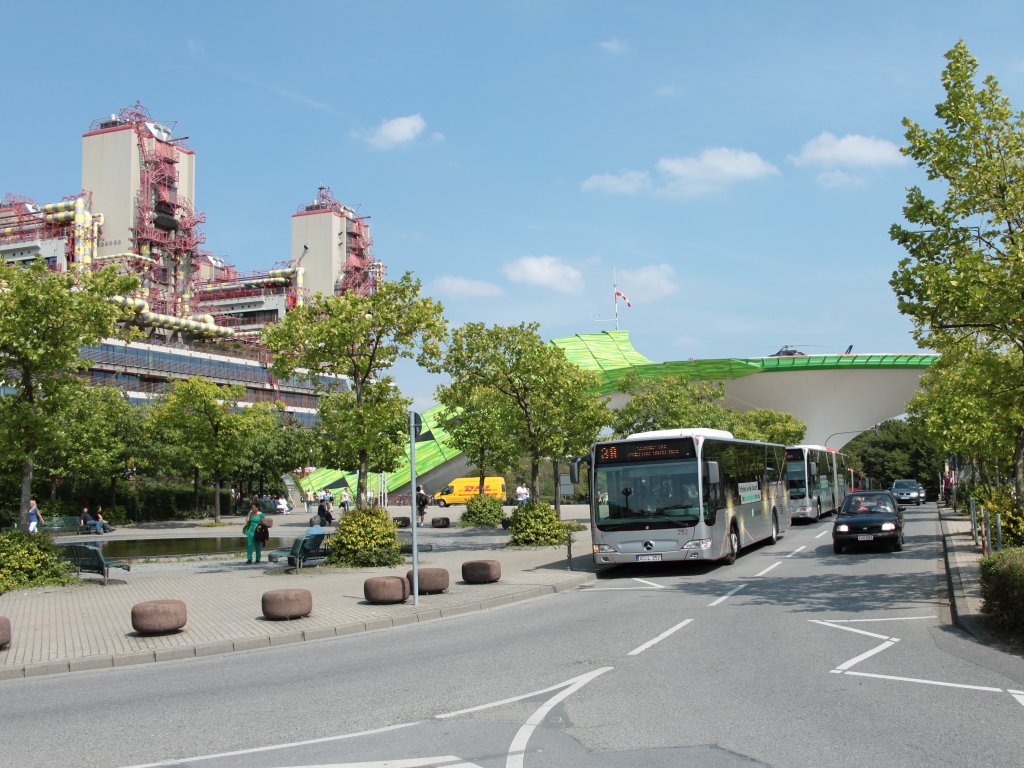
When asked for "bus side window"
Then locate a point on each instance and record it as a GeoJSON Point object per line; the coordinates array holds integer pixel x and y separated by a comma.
{"type": "Point", "coordinates": [712, 491]}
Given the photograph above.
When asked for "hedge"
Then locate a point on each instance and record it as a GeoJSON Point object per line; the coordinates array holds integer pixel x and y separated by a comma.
{"type": "Point", "coordinates": [1002, 588]}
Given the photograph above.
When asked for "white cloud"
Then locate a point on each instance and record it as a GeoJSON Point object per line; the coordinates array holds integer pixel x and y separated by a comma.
{"type": "Point", "coordinates": [545, 272]}
{"type": "Point", "coordinates": [397, 131]}
{"type": "Point", "coordinates": [649, 283]}
{"type": "Point", "coordinates": [829, 151]}
{"type": "Point", "coordinates": [625, 183]}
{"type": "Point", "coordinates": [712, 171]}
{"type": "Point", "coordinates": [834, 178]}
{"type": "Point", "coordinates": [614, 45]}
{"type": "Point", "coordinates": [464, 287]}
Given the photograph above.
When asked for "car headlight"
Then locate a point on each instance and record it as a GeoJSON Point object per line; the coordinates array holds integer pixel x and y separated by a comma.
{"type": "Point", "coordinates": [698, 544]}
{"type": "Point", "coordinates": [603, 549]}
{"type": "Point", "coordinates": [843, 528]}
{"type": "Point", "coordinates": [888, 526]}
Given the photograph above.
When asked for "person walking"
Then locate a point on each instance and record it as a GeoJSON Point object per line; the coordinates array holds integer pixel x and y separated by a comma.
{"type": "Point", "coordinates": [35, 517]}
{"type": "Point", "coordinates": [252, 522]}
{"type": "Point", "coordinates": [421, 504]}
{"type": "Point", "coordinates": [346, 500]}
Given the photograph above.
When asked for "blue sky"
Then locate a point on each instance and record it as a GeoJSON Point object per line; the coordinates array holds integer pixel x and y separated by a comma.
{"type": "Point", "coordinates": [734, 164]}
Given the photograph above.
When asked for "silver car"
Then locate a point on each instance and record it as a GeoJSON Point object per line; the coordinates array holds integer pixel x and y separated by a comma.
{"type": "Point", "coordinates": [907, 492]}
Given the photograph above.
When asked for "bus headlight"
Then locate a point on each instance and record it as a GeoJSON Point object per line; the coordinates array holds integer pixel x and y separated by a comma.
{"type": "Point", "coordinates": [603, 549]}
{"type": "Point", "coordinates": [698, 544]}
{"type": "Point", "coordinates": [888, 526]}
{"type": "Point", "coordinates": [844, 528]}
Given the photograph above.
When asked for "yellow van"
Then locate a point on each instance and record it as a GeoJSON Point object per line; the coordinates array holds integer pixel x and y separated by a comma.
{"type": "Point", "coordinates": [462, 489]}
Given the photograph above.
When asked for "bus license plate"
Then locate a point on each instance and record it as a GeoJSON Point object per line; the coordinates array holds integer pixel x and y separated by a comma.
{"type": "Point", "coordinates": [648, 558]}
{"type": "Point", "coordinates": [866, 537]}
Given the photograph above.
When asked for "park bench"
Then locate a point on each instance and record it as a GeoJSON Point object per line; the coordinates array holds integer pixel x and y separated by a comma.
{"type": "Point", "coordinates": [88, 558]}
{"type": "Point", "coordinates": [305, 551]}
{"type": "Point", "coordinates": [68, 524]}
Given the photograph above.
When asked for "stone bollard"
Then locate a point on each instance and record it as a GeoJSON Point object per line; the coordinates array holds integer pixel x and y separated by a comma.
{"type": "Point", "coordinates": [287, 603]}
{"type": "Point", "coordinates": [386, 589]}
{"type": "Point", "coordinates": [5, 632]}
{"type": "Point", "coordinates": [433, 581]}
{"type": "Point", "coordinates": [157, 617]}
{"type": "Point", "coordinates": [481, 571]}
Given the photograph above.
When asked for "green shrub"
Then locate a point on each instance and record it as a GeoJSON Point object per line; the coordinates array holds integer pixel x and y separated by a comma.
{"type": "Point", "coordinates": [365, 538]}
{"type": "Point", "coordinates": [999, 500]}
{"type": "Point", "coordinates": [1002, 588]}
{"type": "Point", "coordinates": [482, 510]}
{"type": "Point", "coordinates": [536, 524]}
{"type": "Point", "coordinates": [30, 560]}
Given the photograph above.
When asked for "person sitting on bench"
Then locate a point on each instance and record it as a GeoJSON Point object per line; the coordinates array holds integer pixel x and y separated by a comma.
{"type": "Point", "coordinates": [86, 520]}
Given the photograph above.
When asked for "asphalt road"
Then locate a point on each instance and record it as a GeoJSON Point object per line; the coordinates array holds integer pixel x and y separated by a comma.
{"type": "Point", "coordinates": [794, 656]}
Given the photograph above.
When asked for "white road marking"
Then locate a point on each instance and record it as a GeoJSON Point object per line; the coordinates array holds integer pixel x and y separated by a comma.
{"type": "Point", "coordinates": [773, 565]}
{"type": "Point", "coordinates": [586, 588]}
{"type": "Point", "coordinates": [798, 549]}
{"type": "Point", "coordinates": [867, 655]}
{"type": "Point", "coordinates": [530, 695]}
{"type": "Point", "coordinates": [929, 682]}
{"type": "Point", "coordinates": [849, 629]}
{"type": "Point", "coordinates": [641, 648]}
{"type": "Point", "coordinates": [1019, 697]}
{"type": "Point", "coordinates": [726, 596]}
{"type": "Point", "coordinates": [867, 621]}
{"type": "Point", "coordinates": [651, 583]}
{"type": "Point", "coordinates": [823, 533]}
{"type": "Point", "coordinates": [517, 749]}
{"type": "Point", "coordinates": [182, 761]}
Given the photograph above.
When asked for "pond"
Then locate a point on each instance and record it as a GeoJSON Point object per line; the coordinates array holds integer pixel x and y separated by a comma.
{"type": "Point", "coordinates": [206, 545]}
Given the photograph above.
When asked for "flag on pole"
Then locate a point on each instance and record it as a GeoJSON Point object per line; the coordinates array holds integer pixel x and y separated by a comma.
{"type": "Point", "coordinates": [620, 295]}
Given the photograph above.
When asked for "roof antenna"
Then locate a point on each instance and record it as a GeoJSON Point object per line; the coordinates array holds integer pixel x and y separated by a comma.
{"type": "Point", "coordinates": [849, 349]}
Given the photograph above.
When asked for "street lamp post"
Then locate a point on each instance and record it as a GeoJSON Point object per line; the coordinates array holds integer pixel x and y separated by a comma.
{"type": "Point", "coordinates": [850, 432]}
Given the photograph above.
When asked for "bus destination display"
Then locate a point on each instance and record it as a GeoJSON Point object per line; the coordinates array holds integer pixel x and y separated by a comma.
{"type": "Point", "coordinates": [645, 450]}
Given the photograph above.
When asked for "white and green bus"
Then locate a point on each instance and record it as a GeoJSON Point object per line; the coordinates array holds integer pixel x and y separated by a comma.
{"type": "Point", "coordinates": [684, 494]}
{"type": "Point", "coordinates": [816, 478]}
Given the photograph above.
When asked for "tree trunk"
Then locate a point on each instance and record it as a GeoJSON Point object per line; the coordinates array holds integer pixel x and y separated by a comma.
{"type": "Point", "coordinates": [558, 489]}
{"type": "Point", "coordinates": [362, 479]}
{"type": "Point", "coordinates": [1018, 462]}
{"type": "Point", "coordinates": [113, 491]}
{"type": "Point", "coordinates": [26, 490]}
{"type": "Point", "coordinates": [195, 489]}
{"type": "Point", "coordinates": [216, 496]}
{"type": "Point", "coordinates": [535, 477]}
{"type": "Point", "coordinates": [53, 490]}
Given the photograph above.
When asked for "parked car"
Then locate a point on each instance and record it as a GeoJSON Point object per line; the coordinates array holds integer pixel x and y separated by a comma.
{"type": "Point", "coordinates": [868, 517]}
{"type": "Point", "coordinates": [908, 491]}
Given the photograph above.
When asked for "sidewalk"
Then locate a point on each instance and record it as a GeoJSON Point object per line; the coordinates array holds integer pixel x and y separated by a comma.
{"type": "Point", "coordinates": [88, 626]}
{"type": "Point", "coordinates": [962, 557]}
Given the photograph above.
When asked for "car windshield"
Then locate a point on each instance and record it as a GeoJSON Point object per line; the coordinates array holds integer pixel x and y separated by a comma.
{"type": "Point", "coordinates": [908, 485]}
{"type": "Point", "coordinates": [866, 505]}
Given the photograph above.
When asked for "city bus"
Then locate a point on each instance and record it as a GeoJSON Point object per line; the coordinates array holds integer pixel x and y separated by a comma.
{"type": "Point", "coordinates": [684, 494]}
{"type": "Point", "coordinates": [817, 480]}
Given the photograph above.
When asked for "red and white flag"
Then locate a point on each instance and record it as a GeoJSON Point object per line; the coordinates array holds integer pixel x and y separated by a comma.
{"type": "Point", "coordinates": [621, 295]}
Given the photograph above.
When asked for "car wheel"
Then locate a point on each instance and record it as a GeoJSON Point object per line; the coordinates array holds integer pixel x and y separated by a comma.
{"type": "Point", "coordinates": [442, 503]}
{"type": "Point", "coordinates": [898, 546]}
{"type": "Point", "coordinates": [734, 545]}
{"type": "Point", "coordinates": [837, 548]}
{"type": "Point", "coordinates": [775, 529]}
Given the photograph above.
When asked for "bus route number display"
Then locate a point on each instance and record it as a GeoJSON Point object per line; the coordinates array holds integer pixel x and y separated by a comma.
{"type": "Point", "coordinates": [659, 450]}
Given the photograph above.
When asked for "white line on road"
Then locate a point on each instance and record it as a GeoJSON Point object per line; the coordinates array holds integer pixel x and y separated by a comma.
{"type": "Point", "coordinates": [517, 749]}
{"type": "Point", "coordinates": [930, 682]}
{"type": "Point", "coordinates": [1019, 697]}
{"type": "Point", "coordinates": [183, 761]}
{"type": "Point", "coordinates": [773, 565]}
{"type": "Point", "coordinates": [412, 762]}
{"type": "Point", "coordinates": [867, 621]}
{"type": "Point", "coordinates": [823, 533]}
{"type": "Point", "coordinates": [848, 629]}
{"type": "Point", "coordinates": [586, 588]}
{"type": "Point", "coordinates": [726, 596]}
{"type": "Point", "coordinates": [556, 687]}
{"type": "Point", "coordinates": [641, 648]}
{"type": "Point", "coordinates": [651, 583]}
{"type": "Point", "coordinates": [867, 655]}
{"type": "Point", "coordinates": [798, 549]}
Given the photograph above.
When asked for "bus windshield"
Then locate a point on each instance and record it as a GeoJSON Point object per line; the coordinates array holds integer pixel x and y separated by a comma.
{"type": "Point", "coordinates": [661, 493]}
{"type": "Point", "coordinates": [797, 479]}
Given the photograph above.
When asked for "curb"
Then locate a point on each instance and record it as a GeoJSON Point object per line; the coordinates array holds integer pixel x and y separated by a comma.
{"type": "Point", "coordinates": [568, 583]}
{"type": "Point", "coordinates": [962, 614]}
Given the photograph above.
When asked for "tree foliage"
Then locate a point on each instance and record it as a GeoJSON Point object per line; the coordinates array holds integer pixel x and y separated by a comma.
{"type": "Point", "coordinates": [899, 449]}
{"type": "Point", "coordinates": [44, 318]}
{"type": "Point", "coordinates": [962, 282]}
{"type": "Point", "coordinates": [360, 337]}
{"type": "Point", "coordinates": [769, 426]}
{"type": "Point", "coordinates": [544, 405]}
{"type": "Point", "coordinates": [475, 420]}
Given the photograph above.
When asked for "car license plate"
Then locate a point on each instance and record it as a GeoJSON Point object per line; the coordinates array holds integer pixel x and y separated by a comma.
{"type": "Point", "coordinates": [866, 537]}
{"type": "Point", "coordinates": [648, 558]}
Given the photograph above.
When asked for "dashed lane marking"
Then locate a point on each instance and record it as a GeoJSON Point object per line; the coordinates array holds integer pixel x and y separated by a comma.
{"type": "Point", "coordinates": [726, 596]}
{"type": "Point", "coordinates": [773, 565]}
{"type": "Point", "coordinates": [641, 648]}
{"type": "Point", "coordinates": [795, 551]}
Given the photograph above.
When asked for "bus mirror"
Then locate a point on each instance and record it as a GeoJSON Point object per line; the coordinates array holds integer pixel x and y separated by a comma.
{"type": "Point", "coordinates": [710, 516]}
{"type": "Point", "coordinates": [814, 467]}
{"type": "Point", "coordinates": [712, 476]}
{"type": "Point", "coordinates": [574, 468]}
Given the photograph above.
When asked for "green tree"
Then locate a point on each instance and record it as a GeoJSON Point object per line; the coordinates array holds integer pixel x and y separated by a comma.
{"type": "Point", "coordinates": [359, 337]}
{"type": "Point", "coordinates": [44, 318]}
{"type": "Point", "coordinates": [670, 402]}
{"type": "Point", "coordinates": [273, 444]}
{"type": "Point", "coordinates": [547, 404]}
{"type": "Point", "coordinates": [475, 420]}
{"type": "Point", "coordinates": [899, 449]}
{"type": "Point", "coordinates": [962, 280]}
{"type": "Point", "coordinates": [769, 426]}
{"type": "Point", "coordinates": [204, 419]}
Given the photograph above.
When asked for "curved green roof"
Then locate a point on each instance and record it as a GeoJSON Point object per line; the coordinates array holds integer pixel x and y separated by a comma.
{"type": "Point", "coordinates": [611, 355]}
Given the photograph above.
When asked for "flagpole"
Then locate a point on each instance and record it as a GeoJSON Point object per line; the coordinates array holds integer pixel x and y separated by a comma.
{"type": "Point", "coordinates": [615, 298]}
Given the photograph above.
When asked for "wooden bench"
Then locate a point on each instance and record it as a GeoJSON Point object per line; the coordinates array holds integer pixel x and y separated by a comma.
{"type": "Point", "coordinates": [305, 551]}
{"type": "Point", "coordinates": [88, 558]}
{"type": "Point", "coordinates": [66, 523]}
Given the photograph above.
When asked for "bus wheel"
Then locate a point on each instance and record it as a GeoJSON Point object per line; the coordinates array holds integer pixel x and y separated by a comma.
{"type": "Point", "coordinates": [819, 511]}
{"type": "Point", "coordinates": [775, 529]}
{"type": "Point", "coordinates": [734, 545]}
{"type": "Point", "coordinates": [442, 503]}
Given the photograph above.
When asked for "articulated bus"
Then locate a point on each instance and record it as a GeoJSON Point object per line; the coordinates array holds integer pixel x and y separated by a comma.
{"type": "Point", "coordinates": [684, 494]}
{"type": "Point", "coordinates": [816, 477]}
